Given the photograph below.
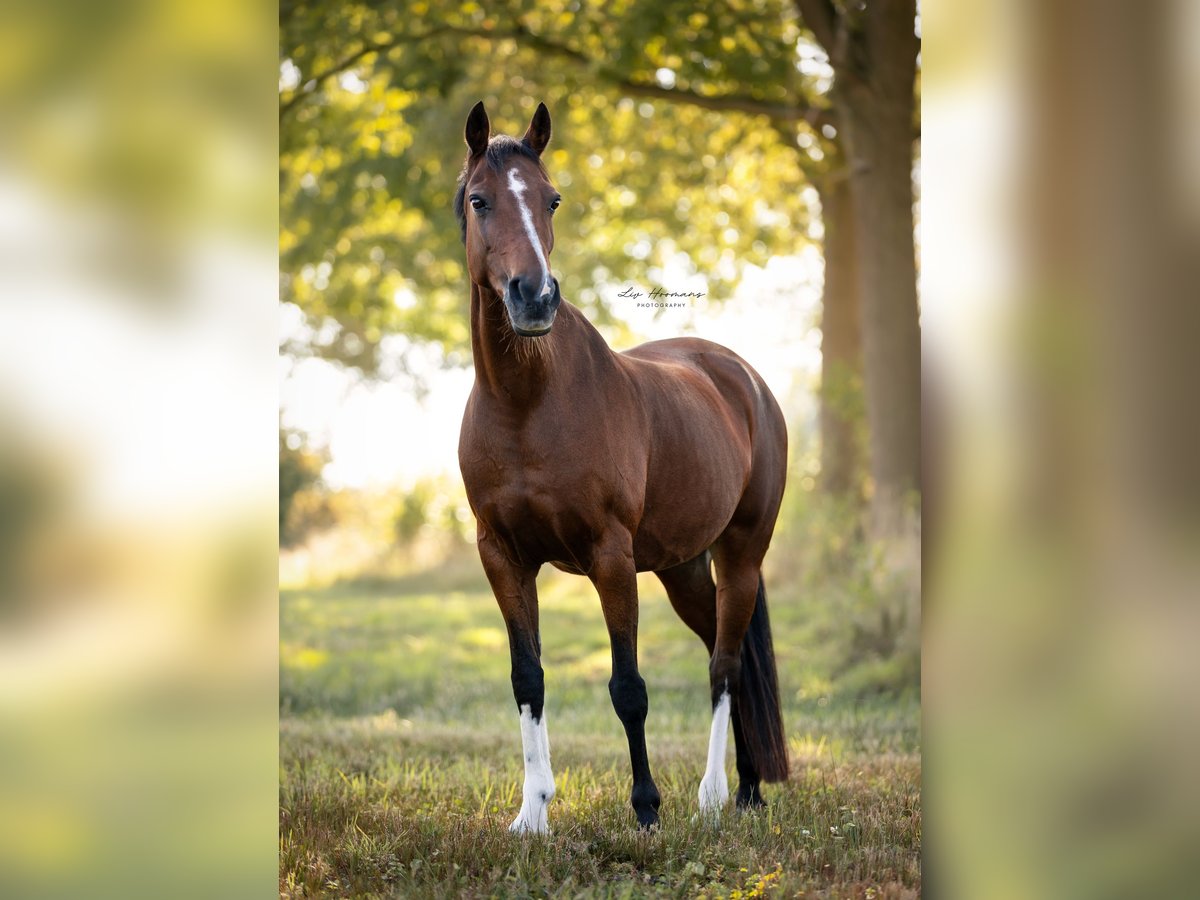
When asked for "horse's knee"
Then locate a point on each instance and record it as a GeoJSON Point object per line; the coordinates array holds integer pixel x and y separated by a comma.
{"type": "Point", "coordinates": [629, 699]}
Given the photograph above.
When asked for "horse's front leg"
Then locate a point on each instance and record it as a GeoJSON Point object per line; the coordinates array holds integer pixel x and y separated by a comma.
{"type": "Point", "coordinates": [515, 588]}
{"type": "Point", "coordinates": [615, 577]}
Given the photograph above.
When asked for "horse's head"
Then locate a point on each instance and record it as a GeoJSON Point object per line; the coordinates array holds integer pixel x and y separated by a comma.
{"type": "Point", "coordinates": [506, 205]}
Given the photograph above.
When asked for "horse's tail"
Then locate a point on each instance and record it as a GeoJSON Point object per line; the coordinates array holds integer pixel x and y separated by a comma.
{"type": "Point", "coordinates": [758, 696]}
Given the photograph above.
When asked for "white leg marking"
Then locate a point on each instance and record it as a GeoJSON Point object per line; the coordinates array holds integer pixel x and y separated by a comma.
{"type": "Point", "coordinates": [539, 779]}
{"type": "Point", "coordinates": [714, 787]}
{"type": "Point", "coordinates": [517, 186]}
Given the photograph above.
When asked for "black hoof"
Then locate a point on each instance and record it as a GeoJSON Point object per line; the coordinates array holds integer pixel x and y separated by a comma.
{"type": "Point", "coordinates": [645, 802]}
{"type": "Point", "coordinates": [647, 815]}
{"type": "Point", "coordinates": [648, 821]}
{"type": "Point", "coordinates": [750, 798]}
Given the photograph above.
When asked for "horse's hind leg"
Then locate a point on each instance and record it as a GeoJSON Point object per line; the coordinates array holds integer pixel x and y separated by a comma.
{"type": "Point", "coordinates": [743, 660]}
{"type": "Point", "coordinates": [515, 588]}
{"type": "Point", "coordinates": [693, 595]}
{"type": "Point", "coordinates": [615, 578]}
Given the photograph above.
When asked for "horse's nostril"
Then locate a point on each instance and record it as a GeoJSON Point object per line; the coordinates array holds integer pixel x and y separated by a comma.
{"type": "Point", "coordinates": [524, 289]}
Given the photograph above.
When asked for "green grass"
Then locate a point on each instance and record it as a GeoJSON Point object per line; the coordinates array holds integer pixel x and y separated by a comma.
{"type": "Point", "coordinates": [401, 767]}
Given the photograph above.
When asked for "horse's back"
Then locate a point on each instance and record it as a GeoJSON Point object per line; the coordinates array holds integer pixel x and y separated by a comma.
{"type": "Point", "coordinates": [687, 360]}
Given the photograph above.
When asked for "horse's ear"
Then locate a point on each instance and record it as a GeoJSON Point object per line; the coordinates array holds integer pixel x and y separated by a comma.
{"type": "Point", "coordinates": [479, 129]}
{"type": "Point", "coordinates": [538, 134]}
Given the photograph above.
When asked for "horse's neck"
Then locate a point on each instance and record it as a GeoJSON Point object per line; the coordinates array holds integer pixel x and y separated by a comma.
{"type": "Point", "coordinates": [518, 371]}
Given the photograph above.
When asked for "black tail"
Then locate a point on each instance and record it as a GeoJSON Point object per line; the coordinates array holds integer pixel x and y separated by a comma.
{"type": "Point", "coordinates": [758, 696]}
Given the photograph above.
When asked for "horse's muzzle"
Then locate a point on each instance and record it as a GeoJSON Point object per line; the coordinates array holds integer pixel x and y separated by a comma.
{"type": "Point", "coordinates": [531, 311]}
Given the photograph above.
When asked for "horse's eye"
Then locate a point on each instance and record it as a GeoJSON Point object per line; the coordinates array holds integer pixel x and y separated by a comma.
{"type": "Point", "coordinates": [554, 203]}
{"type": "Point", "coordinates": [478, 203]}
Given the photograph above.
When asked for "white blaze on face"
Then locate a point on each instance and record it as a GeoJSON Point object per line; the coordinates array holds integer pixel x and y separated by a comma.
{"type": "Point", "coordinates": [517, 186]}
{"type": "Point", "coordinates": [714, 787]}
{"type": "Point", "coordinates": [539, 779]}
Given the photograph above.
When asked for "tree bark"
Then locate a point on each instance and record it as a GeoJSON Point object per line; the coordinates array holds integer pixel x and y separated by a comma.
{"type": "Point", "coordinates": [841, 347]}
{"type": "Point", "coordinates": [875, 104]}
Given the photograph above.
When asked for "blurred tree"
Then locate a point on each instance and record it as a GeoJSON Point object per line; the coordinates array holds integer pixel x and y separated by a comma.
{"type": "Point", "coordinates": [872, 47]}
{"type": "Point", "coordinates": [33, 493]}
{"type": "Point", "coordinates": [683, 136]}
{"type": "Point", "coordinates": [412, 512]}
{"type": "Point", "coordinates": [841, 413]}
{"type": "Point", "coordinates": [299, 472]}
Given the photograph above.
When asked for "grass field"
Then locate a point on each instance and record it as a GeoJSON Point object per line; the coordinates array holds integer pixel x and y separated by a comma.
{"type": "Point", "coordinates": [401, 761]}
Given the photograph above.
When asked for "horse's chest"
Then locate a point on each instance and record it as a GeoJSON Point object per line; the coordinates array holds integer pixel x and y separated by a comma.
{"type": "Point", "coordinates": [543, 506]}
{"type": "Point", "coordinates": [538, 521]}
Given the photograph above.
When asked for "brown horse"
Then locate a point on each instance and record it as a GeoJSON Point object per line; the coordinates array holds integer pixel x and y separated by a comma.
{"type": "Point", "coordinates": [603, 464]}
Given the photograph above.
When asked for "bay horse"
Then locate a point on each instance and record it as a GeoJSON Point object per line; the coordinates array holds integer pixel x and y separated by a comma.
{"type": "Point", "coordinates": [661, 459]}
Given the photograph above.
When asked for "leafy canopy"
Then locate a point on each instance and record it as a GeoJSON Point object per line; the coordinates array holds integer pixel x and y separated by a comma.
{"type": "Point", "coordinates": [674, 145]}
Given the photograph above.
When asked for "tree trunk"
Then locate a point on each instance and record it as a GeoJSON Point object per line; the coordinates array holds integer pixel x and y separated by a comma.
{"type": "Point", "coordinates": [841, 348]}
{"type": "Point", "coordinates": [875, 106]}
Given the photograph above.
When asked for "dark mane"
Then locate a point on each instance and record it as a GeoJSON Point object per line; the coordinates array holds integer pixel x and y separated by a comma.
{"type": "Point", "coordinates": [500, 148]}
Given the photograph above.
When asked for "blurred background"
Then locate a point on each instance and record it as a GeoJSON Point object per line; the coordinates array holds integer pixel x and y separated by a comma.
{"type": "Point", "coordinates": [1061, 224]}
{"type": "Point", "coordinates": [137, 449]}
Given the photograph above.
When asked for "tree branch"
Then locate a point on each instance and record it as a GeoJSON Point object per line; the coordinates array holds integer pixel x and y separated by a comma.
{"type": "Point", "coordinates": [814, 115]}
{"type": "Point", "coordinates": [309, 85]}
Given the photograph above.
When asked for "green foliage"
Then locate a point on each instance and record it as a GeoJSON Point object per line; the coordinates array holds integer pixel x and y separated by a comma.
{"type": "Point", "coordinates": [300, 508]}
{"type": "Point", "coordinates": [375, 536]}
{"type": "Point", "coordinates": [411, 515]}
{"type": "Point", "coordinates": [33, 491]}
{"type": "Point", "coordinates": [156, 113]}
{"type": "Point", "coordinates": [369, 154]}
{"type": "Point", "coordinates": [431, 508]}
{"type": "Point", "coordinates": [866, 619]}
